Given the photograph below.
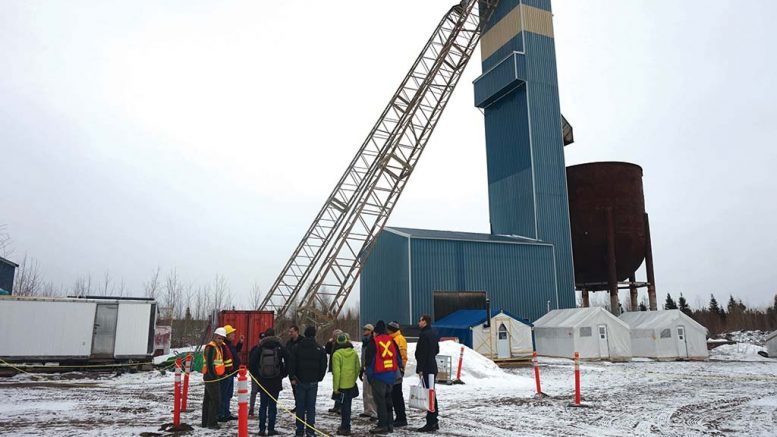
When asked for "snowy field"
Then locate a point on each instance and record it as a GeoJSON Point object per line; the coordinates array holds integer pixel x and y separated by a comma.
{"type": "Point", "coordinates": [734, 393]}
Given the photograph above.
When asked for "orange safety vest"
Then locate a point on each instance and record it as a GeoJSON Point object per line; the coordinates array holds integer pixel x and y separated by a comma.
{"type": "Point", "coordinates": [386, 357]}
{"type": "Point", "coordinates": [218, 360]}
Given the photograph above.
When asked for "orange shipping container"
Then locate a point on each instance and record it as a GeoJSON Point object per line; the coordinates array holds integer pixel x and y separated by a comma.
{"type": "Point", "coordinates": [248, 323]}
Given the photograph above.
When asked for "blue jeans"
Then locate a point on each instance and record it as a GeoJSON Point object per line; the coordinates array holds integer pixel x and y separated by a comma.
{"type": "Point", "coordinates": [268, 410]}
{"type": "Point", "coordinates": [345, 409]}
{"type": "Point", "coordinates": [227, 390]}
{"type": "Point", "coordinates": [306, 406]}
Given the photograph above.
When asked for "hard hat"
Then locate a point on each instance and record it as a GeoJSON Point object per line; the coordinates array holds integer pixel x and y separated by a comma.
{"type": "Point", "coordinates": [229, 329]}
{"type": "Point", "coordinates": [220, 332]}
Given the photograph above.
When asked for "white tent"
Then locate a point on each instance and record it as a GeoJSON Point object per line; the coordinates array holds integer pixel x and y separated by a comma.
{"type": "Point", "coordinates": [593, 332]}
{"type": "Point", "coordinates": [508, 336]}
{"type": "Point", "coordinates": [667, 335]}
{"type": "Point", "coordinates": [771, 344]}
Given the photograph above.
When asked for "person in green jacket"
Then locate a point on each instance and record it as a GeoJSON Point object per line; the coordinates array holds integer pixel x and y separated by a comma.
{"type": "Point", "coordinates": [345, 370]}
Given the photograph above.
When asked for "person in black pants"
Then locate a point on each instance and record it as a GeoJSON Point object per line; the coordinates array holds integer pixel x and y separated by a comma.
{"type": "Point", "coordinates": [426, 365]}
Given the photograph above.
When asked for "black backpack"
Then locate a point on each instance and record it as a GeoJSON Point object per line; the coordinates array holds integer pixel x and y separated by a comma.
{"type": "Point", "coordinates": [270, 363]}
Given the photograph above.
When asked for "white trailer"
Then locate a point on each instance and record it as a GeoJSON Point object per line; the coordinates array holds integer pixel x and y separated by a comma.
{"type": "Point", "coordinates": [76, 329]}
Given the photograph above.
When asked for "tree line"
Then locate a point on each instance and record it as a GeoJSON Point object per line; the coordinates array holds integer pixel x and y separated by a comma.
{"type": "Point", "coordinates": [734, 316]}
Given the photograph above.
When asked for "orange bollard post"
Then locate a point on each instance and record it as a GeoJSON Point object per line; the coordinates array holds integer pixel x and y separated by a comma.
{"type": "Point", "coordinates": [461, 361]}
{"type": "Point", "coordinates": [242, 402]}
{"type": "Point", "coordinates": [536, 373]}
{"type": "Point", "coordinates": [577, 378]}
{"type": "Point", "coordinates": [187, 371]}
{"type": "Point", "coordinates": [177, 396]}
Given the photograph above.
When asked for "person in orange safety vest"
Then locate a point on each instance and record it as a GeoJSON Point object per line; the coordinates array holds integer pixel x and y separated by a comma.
{"type": "Point", "coordinates": [383, 368]}
{"type": "Point", "coordinates": [212, 369]}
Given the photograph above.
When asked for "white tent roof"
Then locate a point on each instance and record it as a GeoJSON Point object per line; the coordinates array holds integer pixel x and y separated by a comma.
{"type": "Point", "coordinates": [654, 319]}
{"type": "Point", "coordinates": [771, 336]}
{"type": "Point", "coordinates": [574, 317]}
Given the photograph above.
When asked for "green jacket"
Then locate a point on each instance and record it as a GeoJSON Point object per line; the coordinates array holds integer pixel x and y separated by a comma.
{"type": "Point", "coordinates": [345, 368]}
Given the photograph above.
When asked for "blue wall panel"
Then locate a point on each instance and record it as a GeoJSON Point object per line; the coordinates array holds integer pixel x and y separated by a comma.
{"type": "Point", "coordinates": [518, 278]}
{"type": "Point", "coordinates": [384, 283]}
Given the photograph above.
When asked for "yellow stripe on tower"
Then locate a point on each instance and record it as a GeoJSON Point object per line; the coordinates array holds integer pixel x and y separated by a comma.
{"type": "Point", "coordinates": [521, 18]}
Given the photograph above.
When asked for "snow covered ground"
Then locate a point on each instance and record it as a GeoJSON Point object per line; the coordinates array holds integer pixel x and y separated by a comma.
{"type": "Point", "coordinates": [734, 393]}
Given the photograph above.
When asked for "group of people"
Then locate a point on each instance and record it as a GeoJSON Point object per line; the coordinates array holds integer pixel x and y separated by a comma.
{"type": "Point", "coordinates": [381, 368]}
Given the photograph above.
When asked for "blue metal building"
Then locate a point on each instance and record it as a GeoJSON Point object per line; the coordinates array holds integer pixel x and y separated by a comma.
{"type": "Point", "coordinates": [527, 259]}
{"type": "Point", "coordinates": [7, 271]}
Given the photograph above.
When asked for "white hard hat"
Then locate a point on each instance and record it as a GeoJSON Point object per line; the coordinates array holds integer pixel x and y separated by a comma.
{"type": "Point", "coordinates": [221, 332]}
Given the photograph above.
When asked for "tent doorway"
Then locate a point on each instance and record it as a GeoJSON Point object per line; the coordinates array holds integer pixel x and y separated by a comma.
{"type": "Point", "coordinates": [604, 349]}
{"type": "Point", "coordinates": [503, 342]}
{"type": "Point", "coordinates": [682, 346]}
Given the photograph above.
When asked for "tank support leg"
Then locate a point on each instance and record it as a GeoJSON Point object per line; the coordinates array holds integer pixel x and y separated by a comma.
{"type": "Point", "coordinates": [649, 267]}
{"type": "Point", "coordinates": [612, 281]}
{"type": "Point", "coordinates": [633, 295]}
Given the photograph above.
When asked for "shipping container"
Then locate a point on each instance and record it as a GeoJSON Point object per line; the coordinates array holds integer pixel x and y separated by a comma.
{"type": "Point", "coordinates": [76, 329]}
{"type": "Point", "coordinates": [249, 324]}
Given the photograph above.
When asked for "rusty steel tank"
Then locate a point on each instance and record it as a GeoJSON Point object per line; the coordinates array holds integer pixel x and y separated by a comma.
{"type": "Point", "coordinates": [595, 188]}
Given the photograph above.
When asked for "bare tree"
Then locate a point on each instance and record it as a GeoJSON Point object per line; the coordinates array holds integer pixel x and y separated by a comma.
{"type": "Point", "coordinates": [222, 297]}
{"type": "Point", "coordinates": [153, 286]}
{"type": "Point", "coordinates": [5, 241]}
{"type": "Point", "coordinates": [256, 296]}
{"type": "Point", "coordinates": [82, 286]}
{"type": "Point", "coordinates": [105, 289]}
{"type": "Point", "coordinates": [201, 303]}
{"type": "Point", "coordinates": [27, 281]}
{"type": "Point", "coordinates": [172, 295]}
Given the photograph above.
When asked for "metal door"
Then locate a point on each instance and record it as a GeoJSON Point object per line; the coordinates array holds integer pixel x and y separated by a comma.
{"type": "Point", "coordinates": [104, 337]}
{"type": "Point", "coordinates": [682, 346]}
{"type": "Point", "coordinates": [503, 342]}
{"type": "Point", "coordinates": [604, 348]}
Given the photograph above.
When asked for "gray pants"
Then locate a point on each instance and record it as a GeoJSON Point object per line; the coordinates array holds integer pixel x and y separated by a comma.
{"type": "Point", "coordinates": [382, 394]}
{"type": "Point", "coordinates": [369, 401]}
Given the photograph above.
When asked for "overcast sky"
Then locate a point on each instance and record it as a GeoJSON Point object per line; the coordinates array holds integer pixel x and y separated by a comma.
{"type": "Point", "coordinates": [204, 136]}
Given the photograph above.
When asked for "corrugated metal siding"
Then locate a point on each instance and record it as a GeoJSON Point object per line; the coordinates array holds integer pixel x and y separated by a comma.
{"type": "Point", "coordinates": [508, 157]}
{"type": "Point", "coordinates": [500, 80]}
{"type": "Point", "coordinates": [6, 276]}
{"type": "Point", "coordinates": [518, 278]}
{"type": "Point", "coordinates": [549, 162]}
{"type": "Point", "coordinates": [384, 282]}
{"type": "Point", "coordinates": [525, 152]}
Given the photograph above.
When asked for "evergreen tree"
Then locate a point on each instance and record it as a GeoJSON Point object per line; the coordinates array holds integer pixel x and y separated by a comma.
{"type": "Point", "coordinates": [732, 305]}
{"type": "Point", "coordinates": [683, 306]}
{"type": "Point", "coordinates": [642, 306]}
{"type": "Point", "coordinates": [714, 307]}
{"type": "Point", "coordinates": [670, 304]}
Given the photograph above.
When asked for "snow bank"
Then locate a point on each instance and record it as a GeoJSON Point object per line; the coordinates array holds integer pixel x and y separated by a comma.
{"type": "Point", "coordinates": [738, 352]}
{"type": "Point", "coordinates": [754, 337]}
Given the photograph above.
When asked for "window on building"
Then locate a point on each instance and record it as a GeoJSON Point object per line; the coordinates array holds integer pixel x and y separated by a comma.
{"type": "Point", "coordinates": [586, 331]}
{"type": "Point", "coordinates": [666, 333]}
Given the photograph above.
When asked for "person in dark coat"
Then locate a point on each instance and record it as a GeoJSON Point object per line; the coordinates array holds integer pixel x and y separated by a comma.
{"type": "Point", "coordinates": [426, 366]}
{"type": "Point", "coordinates": [294, 339]}
{"type": "Point", "coordinates": [268, 365]}
{"type": "Point", "coordinates": [254, 387]}
{"type": "Point", "coordinates": [307, 367]}
{"type": "Point", "coordinates": [330, 348]}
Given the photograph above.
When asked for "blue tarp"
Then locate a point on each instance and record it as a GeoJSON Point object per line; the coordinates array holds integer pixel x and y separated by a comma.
{"type": "Point", "coordinates": [458, 324]}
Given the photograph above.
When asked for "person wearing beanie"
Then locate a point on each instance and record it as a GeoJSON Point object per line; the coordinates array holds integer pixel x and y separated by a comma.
{"type": "Point", "coordinates": [345, 370]}
{"type": "Point", "coordinates": [426, 366]}
{"type": "Point", "coordinates": [330, 348]}
{"type": "Point", "coordinates": [370, 411]}
{"type": "Point", "coordinates": [397, 398]}
{"type": "Point", "coordinates": [268, 363]}
{"type": "Point", "coordinates": [307, 367]}
{"type": "Point", "coordinates": [383, 364]}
